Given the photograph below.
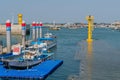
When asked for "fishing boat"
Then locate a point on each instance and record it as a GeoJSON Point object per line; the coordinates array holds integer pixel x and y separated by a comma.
{"type": "Point", "coordinates": [54, 27]}
{"type": "Point", "coordinates": [49, 39]}
{"type": "Point", "coordinates": [29, 58]}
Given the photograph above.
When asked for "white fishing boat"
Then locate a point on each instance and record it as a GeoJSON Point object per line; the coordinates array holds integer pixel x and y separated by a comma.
{"type": "Point", "coordinates": [54, 27]}
{"type": "Point", "coordinates": [49, 39]}
{"type": "Point", "coordinates": [29, 58]}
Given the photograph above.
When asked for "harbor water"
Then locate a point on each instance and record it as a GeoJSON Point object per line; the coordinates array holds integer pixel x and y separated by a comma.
{"type": "Point", "coordinates": [98, 60]}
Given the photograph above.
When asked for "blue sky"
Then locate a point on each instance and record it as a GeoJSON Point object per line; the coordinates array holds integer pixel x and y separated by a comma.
{"type": "Point", "coordinates": [60, 10]}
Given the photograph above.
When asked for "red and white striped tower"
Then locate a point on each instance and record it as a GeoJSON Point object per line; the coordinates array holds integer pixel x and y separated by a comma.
{"type": "Point", "coordinates": [34, 31]}
{"type": "Point", "coordinates": [37, 30]}
{"type": "Point", "coordinates": [8, 35]}
{"type": "Point", "coordinates": [23, 33]}
{"type": "Point", "coordinates": [40, 29]}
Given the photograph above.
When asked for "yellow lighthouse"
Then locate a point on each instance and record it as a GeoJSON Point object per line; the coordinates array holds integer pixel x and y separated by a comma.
{"type": "Point", "coordinates": [90, 27]}
{"type": "Point", "coordinates": [20, 19]}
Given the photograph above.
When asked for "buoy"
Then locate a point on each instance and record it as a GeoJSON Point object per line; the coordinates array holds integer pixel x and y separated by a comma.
{"type": "Point", "coordinates": [90, 27]}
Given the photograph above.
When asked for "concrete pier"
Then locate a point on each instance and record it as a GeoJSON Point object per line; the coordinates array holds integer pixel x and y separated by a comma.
{"type": "Point", "coordinates": [15, 29]}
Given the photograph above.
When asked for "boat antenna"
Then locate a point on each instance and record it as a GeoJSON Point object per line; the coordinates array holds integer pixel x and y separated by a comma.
{"type": "Point", "coordinates": [54, 23]}
{"type": "Point", "coordinates": [12, 20]}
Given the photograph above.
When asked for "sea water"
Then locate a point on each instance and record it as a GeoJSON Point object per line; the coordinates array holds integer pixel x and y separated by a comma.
{"type": "Point", "coordinates": [98, 60]}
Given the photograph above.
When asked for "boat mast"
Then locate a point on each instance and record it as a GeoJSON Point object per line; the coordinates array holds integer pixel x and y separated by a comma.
{"type": "Point", "coordinates": [12, 19]}
{"type": "Point", "coordinates": [53, 23]}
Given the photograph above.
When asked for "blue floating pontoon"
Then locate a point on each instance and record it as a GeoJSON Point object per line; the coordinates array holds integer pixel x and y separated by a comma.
{"type": "Point", "coordinates": [40, 71]}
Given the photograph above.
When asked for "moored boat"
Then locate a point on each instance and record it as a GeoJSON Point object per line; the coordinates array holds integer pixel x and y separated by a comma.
{"type": "Point", "coordinates": [26, 60]}
{"type": "Point", "coordinates": [54, 28]}
{"type": "Point", "coordinates": [49, 39]}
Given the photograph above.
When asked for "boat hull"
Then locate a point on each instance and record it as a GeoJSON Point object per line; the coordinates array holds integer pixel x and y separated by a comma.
{"type": "Point", "coordinates": [25, 64]}
{"type": "Point", "coordinates": [22, 64]}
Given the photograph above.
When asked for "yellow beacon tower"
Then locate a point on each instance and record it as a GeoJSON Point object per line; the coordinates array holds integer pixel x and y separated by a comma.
{"type": "Point", "coordinates": [20, 19]}
{"type": "Point", "coordinates": [90, 27]}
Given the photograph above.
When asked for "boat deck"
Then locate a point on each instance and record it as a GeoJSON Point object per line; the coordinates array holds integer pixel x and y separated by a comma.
{"type": "Point", "coordinates": [40, 71]}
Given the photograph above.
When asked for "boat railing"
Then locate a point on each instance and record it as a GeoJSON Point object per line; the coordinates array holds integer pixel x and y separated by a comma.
{"type": "Point", "coordinates": [9, 60]}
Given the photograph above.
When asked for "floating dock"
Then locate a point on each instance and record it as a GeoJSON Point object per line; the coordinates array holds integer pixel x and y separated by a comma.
{"type": "Point", "coordinates": [40, 71]}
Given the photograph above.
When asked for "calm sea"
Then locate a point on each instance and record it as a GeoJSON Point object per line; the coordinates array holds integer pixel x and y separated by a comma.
{"type": "Point", "coordinates": [98, 60]}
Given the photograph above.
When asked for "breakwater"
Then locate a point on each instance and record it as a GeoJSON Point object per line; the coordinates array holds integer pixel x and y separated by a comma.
{"type": "Point", "coordinates": [15, 29]}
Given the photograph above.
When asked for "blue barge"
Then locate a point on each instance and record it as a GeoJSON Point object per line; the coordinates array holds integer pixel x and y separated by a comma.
{"type": "Point", "coordinates": [40, 71]}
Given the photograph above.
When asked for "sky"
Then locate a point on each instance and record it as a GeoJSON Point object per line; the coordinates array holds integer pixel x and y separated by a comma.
{"type": "Point", "coordinates": [60, 11]}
